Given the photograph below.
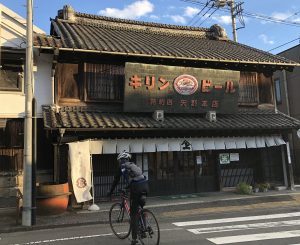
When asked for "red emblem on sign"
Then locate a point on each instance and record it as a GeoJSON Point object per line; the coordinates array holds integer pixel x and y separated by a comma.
{"type": "Point", "coordinates": [185, 84]}
{"type": "Point", "coordinates": [81, 182]}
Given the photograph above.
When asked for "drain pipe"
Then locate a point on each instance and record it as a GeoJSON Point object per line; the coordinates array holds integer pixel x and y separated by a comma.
{"type": "Point", "coordinates": [287, 101]}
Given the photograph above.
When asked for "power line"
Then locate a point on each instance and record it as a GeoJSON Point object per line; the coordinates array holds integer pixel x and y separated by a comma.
{"type": "Point", "coordinates": [264, 31]}
{"type": "Point", "coordinates": [284, 44]}
{"type": "Point", "coordinates": [204, 15]}
{"type": "Point", "coordinates": [190, 23]}
{"type": "Point", "coordinates": [253, 15]}
{"type": "Point", "coordinates": [208, 17]}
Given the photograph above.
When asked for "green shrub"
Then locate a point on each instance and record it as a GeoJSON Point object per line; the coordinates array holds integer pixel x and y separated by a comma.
{"type": "Point", "coordinates": [244, 188]}
{"type": "Point", "coordinates": [264, 186]}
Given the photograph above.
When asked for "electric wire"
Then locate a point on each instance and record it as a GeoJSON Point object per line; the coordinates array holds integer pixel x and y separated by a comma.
{"type": "Point", "coordinates": [284, 44]}
{"type": "Point", "coordinates": [261, 17]}
{"type": "Point", "coordinates": [252, 15]}
{"type": "Point", "coordinates": [195, 16]}
{"type": "Point", "coordinates": [208, 17]}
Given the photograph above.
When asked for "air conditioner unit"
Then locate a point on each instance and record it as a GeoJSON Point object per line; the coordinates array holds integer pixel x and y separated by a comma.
{"type": "Point", "coordinates": [158, 115]}
{"type": "Point", "coordinates": [211, 116]}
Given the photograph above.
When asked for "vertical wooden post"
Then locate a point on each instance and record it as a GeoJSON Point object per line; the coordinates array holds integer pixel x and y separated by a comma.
{"type": "Point", "coordinates": [284, 167]}
{"type": "Point", "coordinates": [290, 166]}
{"type": "Point", "coordinates": [55, 165]}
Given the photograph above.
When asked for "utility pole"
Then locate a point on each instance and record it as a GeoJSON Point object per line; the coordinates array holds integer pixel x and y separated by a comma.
{"type": "Point", "coordinates": [27, 174]}
{"type": "Point", "coordinates": [233, 15]}
{"type": "Point", "coordinates": [234, 10]}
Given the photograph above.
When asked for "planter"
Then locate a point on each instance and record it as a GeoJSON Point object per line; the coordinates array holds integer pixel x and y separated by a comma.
{"type": "Point", "coordinates": [52, 198]}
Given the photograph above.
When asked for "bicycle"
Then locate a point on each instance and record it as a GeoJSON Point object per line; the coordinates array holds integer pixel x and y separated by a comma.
{"type": "Point", "coordinates": [119, 220]}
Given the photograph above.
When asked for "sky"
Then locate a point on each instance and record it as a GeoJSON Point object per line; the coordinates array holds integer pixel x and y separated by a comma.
{"type": "Point", "coordinates": [257, 33]}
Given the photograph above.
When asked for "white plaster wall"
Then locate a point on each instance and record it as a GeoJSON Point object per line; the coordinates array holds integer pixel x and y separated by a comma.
{"type": "Point", "coordinates": [12, 105]}
{"type": "Point", "coordinates": [13, 34]}
{"type": "Point", "coordinates": [42, 81]}
{"type": "Point", "coordinates": [11, 39]}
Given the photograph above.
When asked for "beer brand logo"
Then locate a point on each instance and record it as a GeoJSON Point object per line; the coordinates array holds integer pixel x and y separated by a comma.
{"type": "Point", "coordinates": [81, 182]}
{"type": "Point", "coordinates": [185, 84]}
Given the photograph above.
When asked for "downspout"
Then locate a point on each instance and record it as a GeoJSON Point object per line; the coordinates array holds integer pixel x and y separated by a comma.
{"type": "Point", "coordinates": [274, 96]}
{"type": "Point", "coordinates": [287, 101]}
{"type": "Point", "coordinates": [54, 63]}
{"type": "Point", "coordinates": [61, 132]}
{"type": "Point", "coordinates": [52, 87]}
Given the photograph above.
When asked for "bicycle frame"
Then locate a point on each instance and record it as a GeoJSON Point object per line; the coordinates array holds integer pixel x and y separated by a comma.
{"type": "Point", "coordinates": [145, 230]}
{"type": "Point", "coordinates": [124, 199]}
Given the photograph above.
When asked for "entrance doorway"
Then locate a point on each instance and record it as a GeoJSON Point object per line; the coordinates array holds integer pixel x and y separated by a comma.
{"type": "Point", "coordinates": [181, 172]}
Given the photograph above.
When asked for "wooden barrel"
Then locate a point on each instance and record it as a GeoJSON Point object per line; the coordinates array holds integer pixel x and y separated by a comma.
{"type": "Point", "coordinates": [52, 199]}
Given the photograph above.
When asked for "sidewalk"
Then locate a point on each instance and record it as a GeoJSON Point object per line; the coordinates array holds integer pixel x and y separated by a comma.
{"type": "Point", "coordinates": [165, 206]}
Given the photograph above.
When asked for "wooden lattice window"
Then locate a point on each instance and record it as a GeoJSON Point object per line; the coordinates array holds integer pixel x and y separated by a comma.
{"type": "Point", "coordinates": [248, 89]}
{"type": "Point", "coordinates": [104, 82]}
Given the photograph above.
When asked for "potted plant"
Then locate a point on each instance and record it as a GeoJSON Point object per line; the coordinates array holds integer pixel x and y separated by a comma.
{"type": "Point", "coordinates": [244, 188]}
{"type": "Point", "coordinates": [256, 188]}
{"type": "Point", "coordinates": [264, 187]}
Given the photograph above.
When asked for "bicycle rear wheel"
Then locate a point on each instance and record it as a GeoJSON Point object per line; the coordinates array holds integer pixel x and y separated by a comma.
{"type": "Point", "coordinates": [119, 221]}
{"type": "Point", "coordinates": [149, 233]}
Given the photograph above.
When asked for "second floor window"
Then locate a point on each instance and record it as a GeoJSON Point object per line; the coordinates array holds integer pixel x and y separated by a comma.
{"type": "Point", "coordinates": [278, 91]}
{"type": "Point", "coordinates": [11, 77]}
{"type": "Point", "coordinates": [248, 89]}
{"type": "Point", "coordinates": [103, 82]}
{"type": "Point", "coordinates": [90, 82]}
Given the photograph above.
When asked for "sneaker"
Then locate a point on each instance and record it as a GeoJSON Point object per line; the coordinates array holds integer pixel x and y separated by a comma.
{"type": "Point", "coordinates": [134, 242]}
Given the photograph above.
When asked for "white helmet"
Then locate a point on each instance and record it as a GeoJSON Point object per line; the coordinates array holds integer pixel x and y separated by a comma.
{"type": "Point", "coordinates": [124, 155]}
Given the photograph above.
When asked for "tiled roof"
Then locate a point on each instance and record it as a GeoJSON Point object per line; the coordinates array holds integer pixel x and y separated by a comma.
{"type": "Point", "coordinates": [135, 38]}
{"type": "Point", "coordinates": [79, 118]}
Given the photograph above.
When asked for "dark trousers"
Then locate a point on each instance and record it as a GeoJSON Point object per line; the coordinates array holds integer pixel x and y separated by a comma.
{"type": "Point", "coordinates": [136, 191]}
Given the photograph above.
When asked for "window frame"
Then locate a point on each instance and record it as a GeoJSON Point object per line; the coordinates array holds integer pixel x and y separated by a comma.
{"type": "Point", "coordinates": [20, 79]}
{"type": "Point", "coordinates": [85, 84]}
{"type": "Point", "coordinates": [278, 90]}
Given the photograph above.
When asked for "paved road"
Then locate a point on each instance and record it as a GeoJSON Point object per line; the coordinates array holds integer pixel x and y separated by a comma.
{"type": "Point", "coordinates": [279, 226]}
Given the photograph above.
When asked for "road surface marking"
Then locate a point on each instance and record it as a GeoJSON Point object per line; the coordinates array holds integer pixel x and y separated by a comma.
{"type": "Point", "coordinates": [77, 238]}
{"type": "Point", "coordinates": [244, 227]}
{"type": "Point", "coordinates": [237, 219]}
{"type": "Point", "coordinates": [254, 237]}
{"type": "Point", "coordinates": [63, 239]}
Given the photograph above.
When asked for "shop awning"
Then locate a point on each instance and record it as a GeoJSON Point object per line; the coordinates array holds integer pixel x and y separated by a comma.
{"type": "Point", "coordinates": [113, 146]}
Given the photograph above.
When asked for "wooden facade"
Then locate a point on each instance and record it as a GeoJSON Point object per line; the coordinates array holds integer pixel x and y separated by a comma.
{"type": "Point", "coordinates": [91, 95]}
{"type": "Point", "coordinates": [85, 83]}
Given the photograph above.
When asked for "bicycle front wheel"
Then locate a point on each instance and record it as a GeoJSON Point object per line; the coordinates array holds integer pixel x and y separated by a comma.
{"type": "Point", "coordinates": [149, 232]}
{"type": "Point", "coordinates": [119, 221]}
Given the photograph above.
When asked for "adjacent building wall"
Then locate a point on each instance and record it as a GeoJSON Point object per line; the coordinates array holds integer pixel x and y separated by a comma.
{"type": "Point", "coordinates": [290, 103]}
{"type": "Point", "coordinates": [12, 102]}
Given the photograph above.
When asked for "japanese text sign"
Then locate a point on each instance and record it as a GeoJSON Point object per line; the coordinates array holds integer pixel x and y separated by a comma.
{"type": "Point", "coordinates": [179, 89]}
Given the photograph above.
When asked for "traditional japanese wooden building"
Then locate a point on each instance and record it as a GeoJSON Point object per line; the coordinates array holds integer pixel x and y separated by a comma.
{"type": "Point", "coordinates": [195, 109]}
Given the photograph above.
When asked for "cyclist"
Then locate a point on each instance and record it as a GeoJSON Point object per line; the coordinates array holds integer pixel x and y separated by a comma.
{"type": "Point", "coordinates": [137, 184]}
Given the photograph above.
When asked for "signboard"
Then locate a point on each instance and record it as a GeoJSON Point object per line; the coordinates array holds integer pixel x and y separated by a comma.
{"type": "Point", "coordinates": [224, 158]}
{"type": "Point", "coordinates": [234, 157]}
{"type": "Point", "coordinates": [186, 146]}
{"type": "Point", "coordinates": [199, 160]}
{"type": "Point", "coordinates": [176, 89]}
